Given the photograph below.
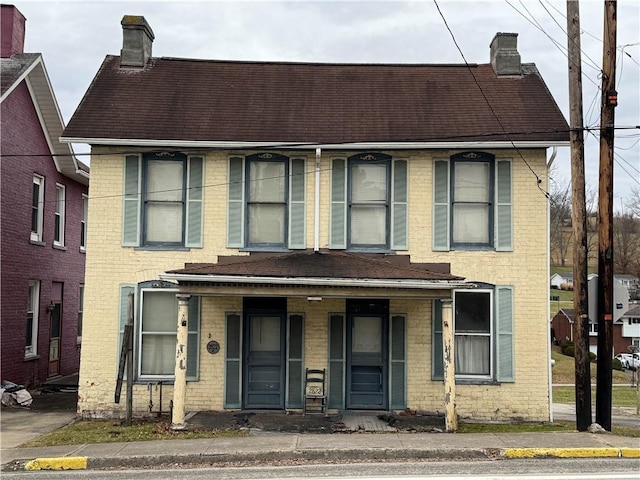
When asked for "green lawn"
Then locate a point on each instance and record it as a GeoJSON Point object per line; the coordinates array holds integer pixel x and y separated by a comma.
{"type": "Point", "coordinates": [621, 395]}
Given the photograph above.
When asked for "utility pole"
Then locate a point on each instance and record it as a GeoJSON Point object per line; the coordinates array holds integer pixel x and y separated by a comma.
{"type": "Point", "coordinates": [605, 219]}
{"type": "Point", "coordinates": [579, 223]}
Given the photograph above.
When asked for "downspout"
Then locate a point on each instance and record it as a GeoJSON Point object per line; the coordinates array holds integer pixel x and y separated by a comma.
{"type": "Point", "coordinates": [549, 367]}
{"type": "Point", "coordinates": [316, 205]}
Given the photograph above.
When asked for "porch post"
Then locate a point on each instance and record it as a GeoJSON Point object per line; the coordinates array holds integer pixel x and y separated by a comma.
{"type": "Point", "coordinates": [451, 418]}
{"type": "Point", "coordinates": [180, 381]}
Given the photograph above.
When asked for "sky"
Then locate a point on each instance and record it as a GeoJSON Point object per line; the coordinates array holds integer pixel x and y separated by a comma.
{"type": "Point", "coordinates": [75, 36]}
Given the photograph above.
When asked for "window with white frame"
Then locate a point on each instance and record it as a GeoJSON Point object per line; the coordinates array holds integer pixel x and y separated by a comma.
{"type": "Point", "coordinates": [593, 329]}
{"type": "Point", "coordinates": [80, 312]}
{"type": "Point", "coordinates": [37, 208]}
{"type": "Point", "coordinates": [472, 321]}
{"type": "Point", "coordinates": [157, 334]}
{"type": "Point", "coordinates": [58, 234]}
{"type": "Point", "coordinates": [83, 223]}
{"type": "Point", "coordinates": [471, 205]}
{"type": "Point", "coordinates": [33, 306]}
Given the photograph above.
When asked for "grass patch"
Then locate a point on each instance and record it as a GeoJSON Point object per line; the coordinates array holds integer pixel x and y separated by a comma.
{"type": "Point", "coordinates": [515, 427]}
{"type": "Point", "coordinates": [621, 395]}
{"type": "Point", "coordinates": [109, 431]}
{"type": "Point", "coordinates": [564, 370]}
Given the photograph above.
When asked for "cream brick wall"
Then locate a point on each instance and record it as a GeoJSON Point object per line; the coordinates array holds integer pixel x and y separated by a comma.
{"type": "Point", "coordinates": [109, 265]}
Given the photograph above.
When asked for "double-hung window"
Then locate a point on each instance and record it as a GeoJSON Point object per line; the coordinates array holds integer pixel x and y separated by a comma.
{"type": "Point", "coordinates": [58, 234]}
{"type": "Point", "coordinates": [33, 306]}
{"type": "Point", "coordinates": [80, 313]}
{"type": "Point", "coordinates": [472, 203]}
{"type": "Point", "coordinates": [483, 335]}
{"type": "Point", "coordinates": [163, 199]}
{"type": "Point", "coordinates": [266, 203]}
{"type": "Point", "coordinates": [369, 203]}
{"type": "Point", "coordinates": [37, 208]}
{"type": "Point", "coordinates": [157, 334]}
{"type": "Point", "coordinates": [83, 223]}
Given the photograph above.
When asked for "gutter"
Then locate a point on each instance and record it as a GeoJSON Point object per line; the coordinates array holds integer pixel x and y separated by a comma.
{"type": "Point", "coordinates": [313, 282]}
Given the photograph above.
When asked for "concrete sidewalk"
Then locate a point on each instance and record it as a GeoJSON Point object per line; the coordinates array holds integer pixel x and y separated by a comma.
{"type": "Point", "coordinates": [52, 412]}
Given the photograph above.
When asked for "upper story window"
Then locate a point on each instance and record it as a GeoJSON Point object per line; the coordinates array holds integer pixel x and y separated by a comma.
{"type": "Point", "coordinates": [33, 307]}
{"type": "Point", "coordinates": [58, 234]}
{"type": "Point", "coordinates": [266, 200]}
{"type": "Point", "coordinates": [83, 223]}
{"type": "Point", "coordinates": [266, 203]}
{"type": "Point", "coordinates": [37, 208]}
{"type": "Point", "coordinates": [163, 198]}
{"type": "Point", "coordinates": [369, 203]}
{"type": "Point", "coordinates": [472, 203]}
{"type": "Point", "coordinates": [80, 312]}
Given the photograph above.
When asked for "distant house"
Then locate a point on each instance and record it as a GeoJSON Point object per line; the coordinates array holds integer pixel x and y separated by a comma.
{"type": "Point", "coordinates": [304, 215]}
{"type": "Point", "coordinates": [562, 321]}
{"type": "Point", "coordinates": [558, 280]}
{"type": "Point", "coordinates": [631, 325]}
{"type": "Point", "coordinates": [44, 220]}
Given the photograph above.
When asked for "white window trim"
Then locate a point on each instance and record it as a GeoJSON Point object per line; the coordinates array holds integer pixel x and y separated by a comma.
{"type": "Point", "coordinates": [34, 290]}
{"type": "Point", "coordinates": [60, 208]}
{"type": "Point", "coordinates": [36, 236]}
{"type": "Point", "coordinates": [83, 222]}
{"type": "Point", "coordinates": [492, 334]}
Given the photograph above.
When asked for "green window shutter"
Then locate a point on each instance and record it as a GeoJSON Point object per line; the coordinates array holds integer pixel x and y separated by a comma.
{"type": "Point", "coordinates": [297, 224]}
{"type": "Point", "coordinates": [399, 210]}
{"type": "Point", "coordinates": [437, 366]}
{"type": "Point", "coordinates": [338, 224]}
{"type": "Point", "coordinates": [131, 203]}
{"type": "Point", "coordinates": [504, 208]}
{"type": "Point", "coordinates": [193, 339]}
{"type": "Point", "coordinates": [123, 314]}
{"type": "Point", "coordinates": [194, 202]}
{"type": "Point", "coordinates": [233, 362]}
{"type": "Point", "coordinates": [295, 354]}
{"type": "Point", "coordinates": [505, 371]}
{"type": "Point", "coordinates": [336, 361]}
{"type": "Point", "coordinates": [235, 210]}
{"type": "Point", "coordinates": [441, 205]}
{"type": "Point", "coordinates": [398, 374]}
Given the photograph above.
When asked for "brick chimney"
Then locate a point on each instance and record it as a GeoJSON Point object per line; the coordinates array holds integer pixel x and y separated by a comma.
{"type": "Point", "coordinates": [505, 58]}
{"type": "Point", "coordinates": [11, 31]}
{"type": "Point", "coordinates": [137, 39]}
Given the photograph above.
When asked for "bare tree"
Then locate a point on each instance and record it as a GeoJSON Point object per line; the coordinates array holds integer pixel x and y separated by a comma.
{"type": "Point", "coordinates": [560, 221]}
{"type": "Point", "coordinates": [626, 238]}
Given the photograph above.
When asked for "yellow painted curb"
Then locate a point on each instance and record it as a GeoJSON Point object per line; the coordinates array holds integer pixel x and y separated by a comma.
{"type": "Point", "coordinates": [61, 463]}
{"type": "Point", "coordinates": [629, 452]}
{"type": "Point", "coordinates": [561, 452]}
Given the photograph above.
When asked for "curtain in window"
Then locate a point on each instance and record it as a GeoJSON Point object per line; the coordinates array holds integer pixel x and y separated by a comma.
{"type": "Point", "coordinates": [368, 204]}
{"type": "Point", "coordinates": [266, 202]}
{"type": "Point", "coordinates": [159, 314]}
{"type": "Point", "coordinates": [164, 201]}
{"type": "Point", "coordinates": [471, 202]}
{"type": "Point", "coordinates": [473, 355]}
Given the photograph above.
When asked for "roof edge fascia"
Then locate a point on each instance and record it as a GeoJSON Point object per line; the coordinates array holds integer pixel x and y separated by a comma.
{"type": "Point", "coordinates": [24, 75]}
{"type": "Point", "coordinates": [310, 281]}
{"type": "Point", "coordinates": [309, 145]}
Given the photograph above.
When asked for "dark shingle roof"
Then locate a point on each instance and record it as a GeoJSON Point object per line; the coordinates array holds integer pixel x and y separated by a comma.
{"type": "Point", "coordinates": [213, 101]}
{"type": "Point", "coordinates": [311, 264]}
{"type": "Point", "coordinates": [12, 68]}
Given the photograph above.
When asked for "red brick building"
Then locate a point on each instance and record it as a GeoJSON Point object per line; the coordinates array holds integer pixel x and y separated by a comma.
{"type": "Point", "coordinates": [43, 221]}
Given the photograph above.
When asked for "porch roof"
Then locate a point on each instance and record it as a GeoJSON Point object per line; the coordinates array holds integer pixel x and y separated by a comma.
{"type": "Point", "coordinates": [322, 268]}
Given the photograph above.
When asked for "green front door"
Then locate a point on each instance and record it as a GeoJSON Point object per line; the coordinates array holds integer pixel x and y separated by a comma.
{"type": "Point", "coordinates": [367, 361]}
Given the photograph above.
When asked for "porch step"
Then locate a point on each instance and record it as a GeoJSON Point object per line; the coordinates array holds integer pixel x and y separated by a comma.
{"type": "Point", "coordinates": [365, 422]}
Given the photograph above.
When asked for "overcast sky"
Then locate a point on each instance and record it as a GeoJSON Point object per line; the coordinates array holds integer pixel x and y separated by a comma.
{"type": "Point", "coordinates": [75, 36]}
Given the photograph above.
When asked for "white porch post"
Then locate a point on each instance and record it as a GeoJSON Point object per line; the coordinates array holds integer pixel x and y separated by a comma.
{"type": "Point", "coordinates": [451, 418]}
{"type": "Point", "coordinates": [180, 381]}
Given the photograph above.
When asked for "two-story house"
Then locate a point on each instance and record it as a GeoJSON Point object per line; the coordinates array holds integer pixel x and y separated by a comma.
{"type": "Point", "coordinates": [44, 220]}
{"type": "Point", "coordinates": [266, 217]}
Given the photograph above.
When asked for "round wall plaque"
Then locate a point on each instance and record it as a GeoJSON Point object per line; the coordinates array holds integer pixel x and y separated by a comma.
{"type": "Point", "coordinates": [213, 347]}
